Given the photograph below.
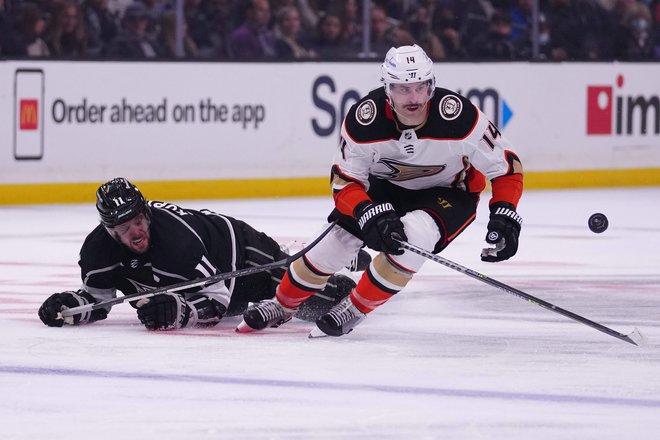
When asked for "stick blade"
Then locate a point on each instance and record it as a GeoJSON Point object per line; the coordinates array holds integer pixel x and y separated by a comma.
{"type": "Point", "coordinates": [636, 337]}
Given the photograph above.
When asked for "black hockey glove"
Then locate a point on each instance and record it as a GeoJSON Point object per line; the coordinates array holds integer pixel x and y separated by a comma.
{"type": "Point", "coordinates": [166, 311]}
{"type": "Point", "coordinates": [50, 310]}
{"type": "Point", "coordinates": [380, 225]}
{"type": "Point", "coordinates": [503, 232]}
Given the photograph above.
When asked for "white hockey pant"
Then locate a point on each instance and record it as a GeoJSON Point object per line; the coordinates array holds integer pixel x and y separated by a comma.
{"type": "Point", "coordinates": [339, 247]}
{"type": "Point", "coordinates": [422, 231]}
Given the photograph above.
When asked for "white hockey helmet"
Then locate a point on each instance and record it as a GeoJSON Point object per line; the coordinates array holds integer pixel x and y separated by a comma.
{"type": "Point", "coordinates": [407, 65]}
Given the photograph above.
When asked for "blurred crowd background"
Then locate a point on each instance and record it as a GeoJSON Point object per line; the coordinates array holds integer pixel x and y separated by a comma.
{"type": "Point", "coordinates": [452, 30]}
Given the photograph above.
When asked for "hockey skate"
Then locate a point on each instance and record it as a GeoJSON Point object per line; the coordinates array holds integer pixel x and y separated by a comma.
{"type": "Point", "coordinates": [337, 288]}
{"type": "Point", "coordinates": [340, 320]}
{"type": "Point", "coordinates": [267, 313]}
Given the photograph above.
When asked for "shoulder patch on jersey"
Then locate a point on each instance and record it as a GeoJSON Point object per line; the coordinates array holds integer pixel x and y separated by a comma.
{"type": "Point", "coordinates": [366, 112]}
{"type": "Point", "coordinates": [367, 120]}
{"type": "Point", "coordinates": [450, 107]}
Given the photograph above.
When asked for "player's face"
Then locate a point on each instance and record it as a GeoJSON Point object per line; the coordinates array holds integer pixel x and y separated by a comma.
{"type": "Point", "coordinates": [409, 100]}
{"type": "Point", "coordinates": [134, 234]}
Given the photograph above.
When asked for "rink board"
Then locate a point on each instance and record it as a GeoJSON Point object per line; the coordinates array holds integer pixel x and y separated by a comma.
{"type": "Point", "coordinates": [223, 130]}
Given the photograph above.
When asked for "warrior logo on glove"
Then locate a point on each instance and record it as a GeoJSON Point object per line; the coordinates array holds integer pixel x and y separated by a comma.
{"type": "Point", "coordinates": [381, 227]}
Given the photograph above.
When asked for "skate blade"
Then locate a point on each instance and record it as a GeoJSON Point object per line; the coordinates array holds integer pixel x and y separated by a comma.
{"type": "Point", "coordinates": [317, 333]}
{"type": "Point", "coordinates": [244, 328]}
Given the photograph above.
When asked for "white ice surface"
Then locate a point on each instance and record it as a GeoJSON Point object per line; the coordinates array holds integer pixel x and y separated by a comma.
{"type": "Point", "coordinates": [448, 358]}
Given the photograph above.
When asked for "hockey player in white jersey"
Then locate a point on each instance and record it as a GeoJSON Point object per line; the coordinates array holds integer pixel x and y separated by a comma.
{"type": "Point", "coordinates": [412, 162]}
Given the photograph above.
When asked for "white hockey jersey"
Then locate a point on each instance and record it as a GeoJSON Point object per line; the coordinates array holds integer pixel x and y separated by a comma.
{"type": "Point", "coordinates": [456, 147]}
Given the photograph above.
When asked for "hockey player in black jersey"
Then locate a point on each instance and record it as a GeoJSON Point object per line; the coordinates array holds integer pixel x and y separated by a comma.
{"type": "Point", "coordinates": [412, 162]}
{"type": "Point", "coordinates": [142, 245]}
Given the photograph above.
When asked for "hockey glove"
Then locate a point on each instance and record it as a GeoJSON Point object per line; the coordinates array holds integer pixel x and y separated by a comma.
{"type": "Point", "coordinates": [50, 310]}
{"type": "Point", "coordinates": [167, 311]}
{"type": "Point", "coordinates": [381, 227]}
{"type": "Point", "coordinates": [503, 232]}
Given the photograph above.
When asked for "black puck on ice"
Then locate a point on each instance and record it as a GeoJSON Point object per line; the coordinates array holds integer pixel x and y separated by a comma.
{"type": "Point", "coordinates": [598, 223]}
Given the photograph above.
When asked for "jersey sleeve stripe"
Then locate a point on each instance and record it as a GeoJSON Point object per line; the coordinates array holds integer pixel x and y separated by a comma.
{"type": "Point", "coordinates": [507, 188]}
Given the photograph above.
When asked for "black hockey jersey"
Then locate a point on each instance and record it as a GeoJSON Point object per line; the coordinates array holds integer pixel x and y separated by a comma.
{"type": "Point", "coordinates": [185, 244]}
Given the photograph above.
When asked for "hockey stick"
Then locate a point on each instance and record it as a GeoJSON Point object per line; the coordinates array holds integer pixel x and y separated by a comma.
{"type": "Point", "coordinates": [635, 337]}
{"type": "Point", "coordinates": [198, 282]}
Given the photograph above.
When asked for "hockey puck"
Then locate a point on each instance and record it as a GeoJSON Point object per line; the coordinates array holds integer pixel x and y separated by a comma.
{"type": "Point", "coordinates": [598, 223]}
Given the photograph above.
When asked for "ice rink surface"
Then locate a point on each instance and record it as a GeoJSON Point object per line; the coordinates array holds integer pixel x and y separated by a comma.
{"type": "Point", "coordinates": [448, 358]}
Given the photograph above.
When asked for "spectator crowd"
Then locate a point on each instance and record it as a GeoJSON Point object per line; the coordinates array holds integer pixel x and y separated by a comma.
{"type": "Point", "coordinates": [452, 30]}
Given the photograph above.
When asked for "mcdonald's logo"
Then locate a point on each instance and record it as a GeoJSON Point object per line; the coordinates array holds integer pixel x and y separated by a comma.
{"type": "Point", "coordinates": [29, 113]}
{"type": "Point", "coordinates": [29, 109]}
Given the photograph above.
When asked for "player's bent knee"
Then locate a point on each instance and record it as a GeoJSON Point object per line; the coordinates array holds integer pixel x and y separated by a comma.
{"type": "Point", "coordinates": [422, 231]}
{"type": "Point", "coordinates": [334, 252]}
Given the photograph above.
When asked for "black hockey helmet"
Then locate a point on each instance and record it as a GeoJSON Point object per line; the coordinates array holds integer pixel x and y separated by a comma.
{"type": "Point", "coordinates": [118, 201]}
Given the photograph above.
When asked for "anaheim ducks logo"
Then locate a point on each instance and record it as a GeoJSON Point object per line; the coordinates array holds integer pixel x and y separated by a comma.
{"type": "Point", "coordinates": [366, 112]}
{"type": "Point", "coordinates": [450, 107]}
{"type": "Point", "coordinates": [400, 171]}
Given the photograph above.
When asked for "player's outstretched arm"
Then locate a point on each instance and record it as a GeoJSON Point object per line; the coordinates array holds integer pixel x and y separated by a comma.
{"type": "Point", "coordinates": [505, 223]}
{"type": "Point", "coordinates": [50, 311]}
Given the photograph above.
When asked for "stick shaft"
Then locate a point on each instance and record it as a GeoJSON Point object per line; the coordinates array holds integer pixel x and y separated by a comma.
{"type": "Point", "coordinates": [519, 293]}
{"type": "Point", "coordinates": [184, 285]}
